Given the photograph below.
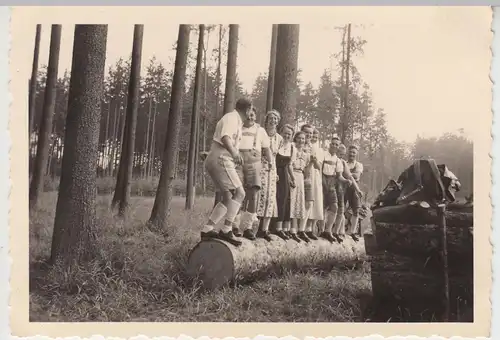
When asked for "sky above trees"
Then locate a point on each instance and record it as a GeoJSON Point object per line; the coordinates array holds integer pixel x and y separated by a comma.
{"type": "Point", "coordinates": [428, 68]}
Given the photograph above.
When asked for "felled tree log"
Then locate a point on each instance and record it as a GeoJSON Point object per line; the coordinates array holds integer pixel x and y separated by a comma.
{"type": "Point", "coordinates": [216, 262]}
{"type": "Point", "coordinates": [455, 216]}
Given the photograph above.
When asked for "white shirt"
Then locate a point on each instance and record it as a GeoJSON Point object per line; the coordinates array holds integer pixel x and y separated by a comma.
{"type": "Point", "coordinates": [229, 125]}
{"type": "Point", "coordinates": [254, 134]}
{"type": "Point", "coordinates": [318, 152]}
{"type": "Point", "coordinates": [356, 167]}
{"type": "Point", "coordinates": [332, 169]}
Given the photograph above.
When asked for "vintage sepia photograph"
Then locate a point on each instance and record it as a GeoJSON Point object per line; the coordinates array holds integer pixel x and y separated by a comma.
{"type": "Point", "coordinates": [279, 170]}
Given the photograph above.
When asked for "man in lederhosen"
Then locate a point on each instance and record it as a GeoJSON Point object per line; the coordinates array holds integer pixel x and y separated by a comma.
{"type": "Point", "coordinates": [221, 164]}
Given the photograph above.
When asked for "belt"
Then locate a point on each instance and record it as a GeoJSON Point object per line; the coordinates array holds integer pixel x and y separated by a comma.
{"type": "Point", "coordinates": [328, 176]}
{"type": "Point", "coordinates": [298, 170]}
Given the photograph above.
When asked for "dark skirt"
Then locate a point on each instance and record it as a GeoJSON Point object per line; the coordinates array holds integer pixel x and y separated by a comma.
{"type": "Point", "coordinates": [283, 188]}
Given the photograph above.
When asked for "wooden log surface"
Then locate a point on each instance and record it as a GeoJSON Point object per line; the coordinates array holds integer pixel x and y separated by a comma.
{"type": "Point", "coordinates": [455, 217]}
{"type": "Point", "coordinates": [216, 262]}
{"type": "Point", "coordinates": [413, 283]}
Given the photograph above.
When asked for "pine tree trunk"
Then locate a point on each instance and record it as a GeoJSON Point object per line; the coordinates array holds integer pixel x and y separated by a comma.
{"type": "Point", "coordinates": [218, 76]}
{"type": "Point", "coordinates": [34, 79]}
{"type": "Point", "coordinates": [270, 77]}
{"type": "Point", "coordinates": [73, 240]}
{"type": "Point", "coordinates": [285, 82]}
{"type": "Point", "coordinates": [191, 187]}
{"type": "Point", "coordinates": [126, 167]}
{"type": "Point", "coordinates": [146, 144]}
{"type": "Point", "coordinates": [42, 152]}
{"type": "Point", "coordinates": [232, 54]}
{"type": "Point", "coordinates": [159, 214]}
{"type": "Point", "coordinates": [152, 150]}
{"type": "Point", "coordinates": [112, 143]}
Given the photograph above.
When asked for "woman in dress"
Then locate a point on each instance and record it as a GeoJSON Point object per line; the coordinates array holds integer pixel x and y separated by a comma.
{"type": "Point", "coordinates": [267, 207]}
{"type": "Point", "coordinates": [300, 162]}
{"type": "Point", "coordinates": [286, 182]}
{"type": "Point", "coordinates": [316, 214]}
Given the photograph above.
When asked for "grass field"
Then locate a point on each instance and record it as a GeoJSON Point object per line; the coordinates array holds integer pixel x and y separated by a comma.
{"type": "Point", "coordinates": [139, 276]}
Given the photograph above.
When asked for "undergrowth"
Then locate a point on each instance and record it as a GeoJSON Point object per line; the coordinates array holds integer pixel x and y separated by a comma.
{"type": "Point", "coordinates": [139, 276]}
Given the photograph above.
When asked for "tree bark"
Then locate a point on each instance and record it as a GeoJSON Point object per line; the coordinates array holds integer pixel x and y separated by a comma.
{"type": "Point", "coordinates": [219, 81]}
{"type": "Point", "coordinates": [34, 79]}
{"type": "Point", "coordinates": [216, 262]}
{"type": "Point", "coordinates": [191, 187]}
{"type": "Point", "coordinates": [285, 82]}
{"type": "Point", "coordinates": [159, 214]}
{"type": "Point", "coordinates": [270, 77]}
{"type": "Point", "coordinates": [73, 240]}
{"type": "Point", "coordinates": [122, 189]}
{"type": "Point", "coordinates": [44, 138]}
{"type": "Point", "coordinates": [232, 54]}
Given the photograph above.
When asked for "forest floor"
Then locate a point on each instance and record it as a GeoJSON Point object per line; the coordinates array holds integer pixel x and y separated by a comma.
{"type": "Point", "coordinates": [140, 277]}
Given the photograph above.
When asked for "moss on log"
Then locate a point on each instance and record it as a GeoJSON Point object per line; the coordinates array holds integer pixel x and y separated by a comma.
{"type": "Point", "coordinates": [216, 262]}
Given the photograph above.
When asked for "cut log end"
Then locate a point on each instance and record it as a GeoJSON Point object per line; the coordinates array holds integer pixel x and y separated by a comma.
{"type": "Point", "coordinates": [211, 261]}
{"type": "Point", "coordinates": [215, 262]}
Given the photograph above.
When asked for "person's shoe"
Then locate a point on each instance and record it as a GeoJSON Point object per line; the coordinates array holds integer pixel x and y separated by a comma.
{"type": "Point", "coordinates": [265, 235]}
{"type": "Point", "coordinates": [294, 237]}
{"type": "Point", "coordinates": [237, 232]}
{"type": "Point", "coordinates": [311, 235]}
{"type": "Point", "coordinates": [209, 234]}
{"type": "Point", "coordinates": [282, 234]}
{"type": "Point", "coordinates": [229, 237]}
{"type": "Point", "coordinates": [354, 237]}
{"type": "Point", "coordinates": [328, 236]}
{"type": "Point", "coordinates": [339, 238]}
{"type": "Point", "coordinates": [249, 234]}
{"type": "Point", "coordinates": [302, 235]}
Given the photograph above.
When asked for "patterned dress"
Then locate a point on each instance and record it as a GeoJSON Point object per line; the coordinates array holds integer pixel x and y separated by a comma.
{"type": "Point", "coordinates": [267, 206]}
{"type": "Point", "coordinates": [297, 197]}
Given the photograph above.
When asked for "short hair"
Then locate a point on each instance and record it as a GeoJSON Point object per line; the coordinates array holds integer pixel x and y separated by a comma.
{"type": "Point", "coordinates": [336, 138]}
{"type": "Point", "coordinates": [353, 147]}
{"type": "Point", "coordinates": [309, 126]}
{"type": "Point", "coordinates": [289, 127]}
{"type": "Point", "coordinates": [243, 104]}
{"type": "Point", "coordinates": [297, 134]}
{"type": "Point", "coordinates": [342, 147]}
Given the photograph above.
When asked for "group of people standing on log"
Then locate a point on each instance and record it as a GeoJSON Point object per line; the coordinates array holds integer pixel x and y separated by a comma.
{"type": "Point", "coordinates": [261, 174]}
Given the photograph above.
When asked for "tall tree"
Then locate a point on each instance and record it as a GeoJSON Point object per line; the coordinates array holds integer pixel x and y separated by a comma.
{"type": "Point", "coordinates": [44, 136]}
{"type": "Point", "coordinates": [122, 190]}
{"type": "Point", "coordinates": [33, 79]}
{"type": "Point", "coordinates": [73, 240]}
{"type": "Point", "coordinates": [232, 54]}
{"type": "Point", "coordinates": [190, 190]}
{"type": "Point", "coordinates": [272, 65]}
{"type": "Point", "coordinates": [159, 214]}
{"type": "Point", "coordinates": [285, 83]}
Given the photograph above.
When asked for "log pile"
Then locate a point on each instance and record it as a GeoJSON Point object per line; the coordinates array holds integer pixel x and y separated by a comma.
{"type": "Point", "coordinates": [407, 260]}
{"type": "Point", "coordinates": [216, 262]}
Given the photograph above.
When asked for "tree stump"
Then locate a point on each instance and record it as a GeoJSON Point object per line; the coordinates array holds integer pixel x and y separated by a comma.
{"type": "Point", "coordinates": [216, 262]}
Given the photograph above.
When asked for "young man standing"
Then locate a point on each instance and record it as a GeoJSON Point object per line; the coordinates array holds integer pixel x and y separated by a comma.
{"type": "Point", "coordinates": [331, 175]}
{"type": "Point", "coordinates": [353, 193]}
{"type": "Point", "coordinates": [221, 164]}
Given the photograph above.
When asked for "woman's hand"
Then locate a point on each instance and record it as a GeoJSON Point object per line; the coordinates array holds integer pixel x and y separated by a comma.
{"type": "Point", "coordinates": [292, 182]}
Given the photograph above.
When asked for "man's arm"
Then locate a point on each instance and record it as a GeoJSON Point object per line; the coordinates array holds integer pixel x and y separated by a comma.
{"type": "Point", "coordinates": [358, 170]}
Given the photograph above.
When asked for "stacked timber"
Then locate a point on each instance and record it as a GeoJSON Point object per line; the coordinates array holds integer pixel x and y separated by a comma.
{"type": "Point", "coordinates": [406, 250]}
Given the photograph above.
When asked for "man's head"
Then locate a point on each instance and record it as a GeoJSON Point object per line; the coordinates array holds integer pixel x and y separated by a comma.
{"type": "Point", "coordinates": [250, 118]}
{"type": "Point", "coordinates": [341, 151]}
{"type": "Point", "coordinates": [353, 152]}
{"type": "Point", "coordinates": [334, 145]}
{"type": "Point", "coordinates": [315, 136]}
{"type": "Point", "coordinates": [308, 131]}
{"type": "Point", "coordinates": [244, 106]}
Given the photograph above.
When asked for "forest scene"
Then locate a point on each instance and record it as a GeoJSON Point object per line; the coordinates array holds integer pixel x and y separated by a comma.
{"type": "Point", "coordinates": [130, 147]}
